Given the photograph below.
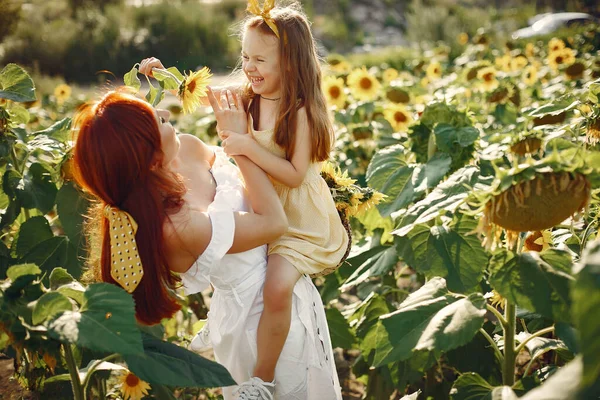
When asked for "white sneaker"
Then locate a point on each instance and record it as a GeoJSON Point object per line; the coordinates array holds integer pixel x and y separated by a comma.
{"type": "Point", "coordinates": [201, 342]}
{"type": "Point", "coordinates": [255, 389]}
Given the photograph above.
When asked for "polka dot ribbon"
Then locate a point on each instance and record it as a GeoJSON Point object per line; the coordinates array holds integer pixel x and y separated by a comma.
{"type": "Point", "coordinates": [255, 9]}
{"type": "Point", "coordinates": [126, 265]}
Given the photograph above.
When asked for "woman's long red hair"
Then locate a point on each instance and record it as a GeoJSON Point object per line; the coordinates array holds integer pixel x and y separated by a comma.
{"type": "Point", "coordinates": [117, 144]}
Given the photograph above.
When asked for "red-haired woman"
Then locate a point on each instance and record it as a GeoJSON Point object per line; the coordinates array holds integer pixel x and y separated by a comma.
{"type": "Point", "coordinates": [170, 208]}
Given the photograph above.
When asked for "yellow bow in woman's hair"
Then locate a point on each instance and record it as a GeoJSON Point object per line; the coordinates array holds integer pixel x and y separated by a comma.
{"type": "Point", "coordinates": [255, 9]}
{"type": "Point", "coordinates": [125, 263]}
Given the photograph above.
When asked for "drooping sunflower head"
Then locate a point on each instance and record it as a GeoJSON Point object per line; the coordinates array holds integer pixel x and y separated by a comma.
{"type": "Point", "coordinates": [534, 196]}
{"type": "Point", "coordinates": [132, 387]}
{"type": "Point", "coordinates": [396, 94]}
{"type": "Point", "coordinates": [434, 71]}
{"type": "Point", "coordinates": [62, 93]}
{"type": "Point", "coordinates": [526, 143]}
{"type": "Point", "coordinates": [363, 84]}
{"type": "Point", "coordinates": [193, 88]}
{"type": "Point", "coordinates": [575, 70]}
{"type": "Point", "coordinates": [334, 91]}
{"type": "Point", "coordinates": [593, 130]}
{"type": "Point", "coordinates": [398, 116]}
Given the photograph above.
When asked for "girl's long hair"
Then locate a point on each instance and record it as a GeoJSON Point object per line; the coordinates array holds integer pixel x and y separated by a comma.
{"type": "Point", "coordinates": [117, 148]}
{"type": "Point", "coordinates": [300, 82]}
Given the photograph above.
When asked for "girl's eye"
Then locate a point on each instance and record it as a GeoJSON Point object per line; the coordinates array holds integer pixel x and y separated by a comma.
{"type": "Point", "coordinates": [162, 120]}
{"type": "Point", "coordinates": [245, 57]}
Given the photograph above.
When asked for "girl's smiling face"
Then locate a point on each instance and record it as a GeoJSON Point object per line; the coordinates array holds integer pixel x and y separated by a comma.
{"type": "Point", "coordinates": [260, 62]}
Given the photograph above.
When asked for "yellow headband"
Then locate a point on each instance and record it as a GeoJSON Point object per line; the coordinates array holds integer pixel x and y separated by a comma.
{"type": "Point", "coordinates": [126, 265]}
{"type": "Point", "coordinates": [255, 9]}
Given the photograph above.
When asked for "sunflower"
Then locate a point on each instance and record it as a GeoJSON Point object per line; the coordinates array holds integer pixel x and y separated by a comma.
{"type": "Point", "coordinates": [62, 93]}
{"type": "Point", "coordinates": [496, 299]}
{"type": "Point", "coordinates": [389, 75]}
{"type": "Point", "coordinates": [538, 241]}
{"type": "Point", "coordinates": [530, 75]}
{"type": "Point", "coordinates": [193, 88]}
{"type": "Point", "coordinates": [555, 44]}
{"type": "Point", "coordinates": [463, 38]}
{"type": "Point", "coordinates": [593, 130]}
{"type": "Point", "coordinates": [370, 199]}
{"type": "Point", "coordinates": [337, 178]}
{"type": "Point", "coordinates": [488, 78]}
{"type": "Point", "coordinates": [518, 63]}
{"type": "Point", "coordinates": [363, 85]}
{"type": "Point", "coordinates": [341, 67]}
{"type": "Point", "coordinates": [561, 58]}
{"type": "Point", "coordinates": [530, 50]}
{"type": "Point", "coordinates": [398, 116]}
{"type": "Point", "coordinates": [132, 387]}
{"type": "Point", "coordinates": [434, 71]}
{"type": "Point", "coordinates": [503, 63]}
{"type": "Point", "coordinates": [334, 91]}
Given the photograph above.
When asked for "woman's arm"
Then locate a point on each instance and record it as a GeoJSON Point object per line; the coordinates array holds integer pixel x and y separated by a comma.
{"type": "Point", "coordinates": [291, 173]}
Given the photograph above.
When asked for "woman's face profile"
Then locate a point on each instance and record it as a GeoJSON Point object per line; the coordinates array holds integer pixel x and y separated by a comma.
{"type": "Point", "coordinates": [168, 138]}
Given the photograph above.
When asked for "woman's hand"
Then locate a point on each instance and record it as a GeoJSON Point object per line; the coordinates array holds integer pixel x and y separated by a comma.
{"type": "Point", "coordinates": [147, 64]}
{"type": "Point", "coordinates": [229, 112]}
{"type": "Point", "coordinates": [236, 144]}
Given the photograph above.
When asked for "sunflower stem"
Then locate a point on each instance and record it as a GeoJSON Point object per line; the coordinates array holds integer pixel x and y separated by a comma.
{"type": "Point", "coordinates": [92, 369]}
{"type": "Point", "coordinates": [73, 371]}
{"type": "Point", "coordinates": [533, 336]}
{"type": "Point", "coordinates": [510, 355]}
{"type": "Point", "coordinates": [494, 345]}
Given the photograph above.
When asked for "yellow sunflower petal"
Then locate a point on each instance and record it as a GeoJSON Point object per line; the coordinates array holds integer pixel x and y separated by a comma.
{"type": "Point", "coordinates": [193, 88]}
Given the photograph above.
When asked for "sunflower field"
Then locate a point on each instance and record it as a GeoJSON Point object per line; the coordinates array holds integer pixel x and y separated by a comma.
{"type": "Point", "coordinates": [475, 269]}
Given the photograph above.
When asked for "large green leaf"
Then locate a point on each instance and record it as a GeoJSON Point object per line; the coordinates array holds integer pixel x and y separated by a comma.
{"type": "Point", "coordinates": [168, 364]}
{"type": "Point", "coordinates": [16, 84]}
{"type": "Point", "coordinates": [383, 260]}
{"type": "Point", "coordinates": [32, 232]}
{"type": "Point", "coordinates": [446, 197]}
{"type": "Point", "coordinates": [430, 319]}
{"type": "Point", "coordinates": [448, 252]}
{"type": "Point", "coordinates": [51, 253]}
{"type": "Point", "coordinates": [530, 281]}
{"type": "Point", "coordinates": [37, 189]}
{"type": "Point", "coordinates": [341, 333]}
{"type": "Point", "coordinates": [72, 206]}
{"type": "Point", "coordinates": [105, 322]}
{"type": "Point", "coordinates": [48, 306]}
{"type": "Point", "coordinates": [389, 173]}
{"type": "Point", "coordinates": [58, 277]}
{"type": "Point", "coordinates": [540, 345]}
{"type": "Point", "coordinates": [59, 131]}
{"type": "Point", "coordinates": [131, 79]}
{"type": "Point", "coordinates": [17, 271]}
{"type": "Point", "coordinates": [471, 386]}
{"type": "Point", "coordinates": [586, 303]}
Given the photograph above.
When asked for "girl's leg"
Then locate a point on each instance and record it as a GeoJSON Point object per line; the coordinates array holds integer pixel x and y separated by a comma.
{"type": "Point", "coordinates": [274, 324]}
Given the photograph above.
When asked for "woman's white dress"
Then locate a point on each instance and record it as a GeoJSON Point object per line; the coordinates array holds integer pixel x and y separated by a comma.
{"type": "Point", "coordinates": [305, 369]}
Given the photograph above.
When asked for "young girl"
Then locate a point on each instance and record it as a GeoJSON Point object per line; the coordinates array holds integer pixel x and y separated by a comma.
{"type": "Point", "coordinates": [290, 134]}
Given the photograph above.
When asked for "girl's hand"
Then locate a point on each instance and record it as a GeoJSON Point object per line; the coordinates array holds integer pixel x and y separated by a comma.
{"type": "Point", "coordinates": [236, 144]}
{"type": "Point", "coordinates": [147, 64]}
{"type": "Point", "coordinates": [229, 112]}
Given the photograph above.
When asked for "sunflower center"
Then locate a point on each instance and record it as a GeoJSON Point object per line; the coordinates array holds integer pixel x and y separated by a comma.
{"type": "Point", "coordinates": [488, 77]}
{"type": "Point", "coordinates": [334, 92]}
{"type": "Point", "coordinates": [365, 83]}
{"type": "Point", "coordinates": [559, 59]}
{"type": "Point", "coordinates": [399, 116]}
{"type": "Point", "coordinates": [436, 71]}
{"type": "Point", "coordinates": [132, 380]}
{"type": "Point", "coordinates": [191, 86]}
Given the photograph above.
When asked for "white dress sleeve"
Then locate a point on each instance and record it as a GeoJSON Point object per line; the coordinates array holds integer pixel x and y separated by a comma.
{"type": "Point", "coordinates": [227, 199]}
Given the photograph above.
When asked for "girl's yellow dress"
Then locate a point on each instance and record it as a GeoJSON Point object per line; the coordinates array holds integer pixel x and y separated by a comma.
{"type": "Point", "coordinates": [316, 239]}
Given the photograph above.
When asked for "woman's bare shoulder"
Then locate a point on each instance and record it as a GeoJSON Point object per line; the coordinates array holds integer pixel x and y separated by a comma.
{"type": "Point", "coordinates": [193, 147]}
